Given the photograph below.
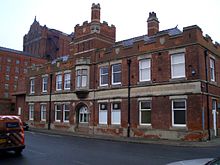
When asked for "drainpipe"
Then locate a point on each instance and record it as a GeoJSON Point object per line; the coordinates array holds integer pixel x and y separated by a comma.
{"type": "Point", "coordinates": [129, 93]}
{"type": "Point", "coordinates": [49, 114]}
{"type": "Point", "coordinates": [207, 94]}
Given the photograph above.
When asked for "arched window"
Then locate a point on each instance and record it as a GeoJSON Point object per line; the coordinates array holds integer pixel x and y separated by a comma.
{"type": "Point", "coordinates": [83, 115]}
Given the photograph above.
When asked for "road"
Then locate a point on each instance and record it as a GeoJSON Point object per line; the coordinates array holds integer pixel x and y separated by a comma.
{"type": "Point", "coordinates": [49, 149]}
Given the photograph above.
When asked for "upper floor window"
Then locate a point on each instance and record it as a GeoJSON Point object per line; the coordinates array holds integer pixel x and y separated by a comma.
{"type": "Point", "coordinates": [145, 70]}
{"type": "Point", "coordinates": [7, 77]}
{"type": "Point", "coordinates": [8, 68]}
{"type": "Point", "coordinates": [32, 86]}
{"type": "Point", "coordinates": [212, 69]}
{"type": "Point", "coordinates": [44, 84]}
{"type": "Point", "coordinates": [116, 74]}
{"type": "Point", "coordinates": [8, 60]}
{"type": "Point", "coordinates": [178, 65]}
{"type": "Point", "coordinates": [59, 82]}
{"type": "Point", "coordinates": [104, 76]}
{"type": "Point", "coordinates": [81, 78]}
{"type": "Point", "coordinates": [17, 62]}
{"type": "Point", "coordinates": [179, 112]}
{"type": "Point", "coordinates": [67, 79]}
{"type": "Point", "coordinates": [16, 69]}
{"type": "Point", "coordinates": [145, 112]}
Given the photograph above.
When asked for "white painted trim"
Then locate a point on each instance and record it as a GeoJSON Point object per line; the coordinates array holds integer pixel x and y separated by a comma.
{"type": "Point", "coordinates": [175, 51]}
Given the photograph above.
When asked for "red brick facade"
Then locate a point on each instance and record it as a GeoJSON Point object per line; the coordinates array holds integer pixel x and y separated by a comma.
{"type": "Point", "coordinates": [45, 42]}
{"type": "Point", "coordinates": [13, 68]}
{"type": "Point", "coordinates": [173, 93]}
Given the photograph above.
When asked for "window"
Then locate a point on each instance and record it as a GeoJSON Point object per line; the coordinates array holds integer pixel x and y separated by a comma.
{"type": "Point", "coordinates": [66, 112]}
{"type": "Point", "coordinates": [7, 77]}
{"type": "Point", "coordinates": [15, 87]}
{"type": "Point", "coordinates": [116, 74]}
{"type": "Point", "coordinates": [179, 112]}
{"type": "Point", "coordinates": [58, 109]}
{"type": "Point", "coordinates": [43, 112]}
{"type": "Point", "coordinates": [25, 70]}
{"type": "Point", "coordinates": [104, 76]}
{"type": "Point", "coordinates": [17, 62]}
{"type": "Point", "coordinates": [8, 60]}
{"type": "Point", "coordinates": [44, 84]}
{"type": "Point", "coordinates": [145, 112]}
{"type": "Point", "coordinates": [16, 69]}
{"type": "Point", "coordinates": [212, 69]}
{"type": "Point", "coordinates": [31, 111]}
{"type": "Point", "coordinates": [81, 78]}
{"type": "Point", "coordinates": [6, 95]}
{"type": "Point", "coordinates": [83, 115]}
{"type": "Point", "coordinates": [145, 70]}
{"type": "Point", "coordinates": [67, 78]}
{"type": "Point", "coordinates": [16, 78]}
{"type": "Point", "coordinates": [32, 86]}
{"type": "Point", "coordinates": [103, 113]}
{"type": "Point", "coordinates": [178, 65]}
{"type": "Point", "coordinates": [7, 68]}
{"type": "Point", "coordinates": [116, 113]}
{"type": "Point", "coordinates": [26, 63]}
{"type": "Point", "coordinates": [59, 82]}
{"type": "Point", "coordinates": [6, 87]}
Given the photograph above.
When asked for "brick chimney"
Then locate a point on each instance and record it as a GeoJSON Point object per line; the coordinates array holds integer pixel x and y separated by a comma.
{"type": "Point", "coordinates": [153, 24]}
{"type": "Point", "coordinates": [95, 17]}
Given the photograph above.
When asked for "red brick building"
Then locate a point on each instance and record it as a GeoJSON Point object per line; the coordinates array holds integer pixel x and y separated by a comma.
{"type": "Point", "coordinates": [13, 67]}
{"type": "Point", "coordinates": [164, 84]}
{"type": "Point", "coordinates": [45, 42]}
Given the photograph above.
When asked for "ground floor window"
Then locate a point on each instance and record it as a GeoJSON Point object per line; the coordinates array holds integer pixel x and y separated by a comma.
{"type": "Point", "coordinates": [145, 112]}
{"type": "Point", "coordinates": [43, 112]}
{"type": "Point", "coordinates": [31, 111]}
{"type": "Point", "coordinates": [66, 112]}
{"type": "Point", "coordinates": [116, 113]}
{"type": "Point", "coordinates": [179, 112]}
{"type": "Point", "coordinates": [58, 109]}
{"type": "Point", "coordinates": [103, 113]}
{"type": "Point", "coordinates": [83, 115]}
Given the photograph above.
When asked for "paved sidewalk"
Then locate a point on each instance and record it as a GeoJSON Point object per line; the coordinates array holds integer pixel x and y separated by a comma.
{"type": "Point", "coordinates": [213, 142]}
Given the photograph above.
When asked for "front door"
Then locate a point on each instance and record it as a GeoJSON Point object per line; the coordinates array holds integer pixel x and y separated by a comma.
{"type": "Point", "coordinates": [214, 114]}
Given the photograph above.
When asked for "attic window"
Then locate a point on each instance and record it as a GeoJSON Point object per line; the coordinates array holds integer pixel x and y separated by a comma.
{"type": "Point", "coordinates": [95, 29]}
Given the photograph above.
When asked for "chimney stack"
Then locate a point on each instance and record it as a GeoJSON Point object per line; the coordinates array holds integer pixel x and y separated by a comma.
{"type": "Point", "coordinates": [153, 24]}
{"type": "Point", "coordinates": [95, 17]}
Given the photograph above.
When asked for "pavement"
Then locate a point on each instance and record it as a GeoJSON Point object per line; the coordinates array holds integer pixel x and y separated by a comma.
{"type": "Point", "coordinates": [211, 143]}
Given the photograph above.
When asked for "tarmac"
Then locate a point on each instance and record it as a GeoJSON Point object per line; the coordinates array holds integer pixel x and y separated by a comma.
{"type": "Point", "coordinates": [212, 143]}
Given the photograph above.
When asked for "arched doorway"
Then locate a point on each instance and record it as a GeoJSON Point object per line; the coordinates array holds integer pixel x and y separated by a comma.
{"type": "Point", "coordinates": [83, 116]}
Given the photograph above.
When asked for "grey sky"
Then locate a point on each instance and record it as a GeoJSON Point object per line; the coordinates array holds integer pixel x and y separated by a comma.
{"type": "Point", "coordinates": [128, 16]}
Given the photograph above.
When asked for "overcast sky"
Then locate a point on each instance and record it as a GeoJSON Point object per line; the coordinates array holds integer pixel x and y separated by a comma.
{"type": "Point", "coordinates": [129, 16]}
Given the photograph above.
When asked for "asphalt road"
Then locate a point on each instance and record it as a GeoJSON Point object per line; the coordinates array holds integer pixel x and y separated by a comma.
{"type": "Point", "coordinates": [49, 149]}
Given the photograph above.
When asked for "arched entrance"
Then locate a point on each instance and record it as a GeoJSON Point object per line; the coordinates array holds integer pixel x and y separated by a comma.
{"type": "Point", "coordinates": [82, 118]}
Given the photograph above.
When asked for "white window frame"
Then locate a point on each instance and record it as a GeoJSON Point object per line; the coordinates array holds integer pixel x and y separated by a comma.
{"type": "Point", "coordinates": [31, 111]}
{"type": "Point", "coordinates": [103, 75]}
{"type": "Point", "coordinates": [142, 110]}
{"type": "Point", "coordinates": [114, 112]}
{"type": "Point", "coordinates": [58, 82]}
{"type": "Point", "coordinates": [173, 109]}
{"type": "Point", "coordinates": [43, 112]}
{"type": "Point", "coordinates": [103, 113]}
{"type": "Point", "coordinates": [118, 72]}
{"type": "Point", "coordinates": [178, 64]}
{"type": "Point", "coordinates": [81, 77]}
{"type": "Point", "coordinates": [212, 69]}
{"type": "Point", "coordinates": [67, 81]}
{"type": "Point", "coordinates": [145, 69]}
{"type": "Point", "coordinates": [32, 86]}
{"type": "Point", "coordinates": [56, 111]}
{"type": "Point", "coordinates": [64, 112]}
{"type": "Point", "coordinates": [44, 83]}
{"type": "Point", "coordinates": [83, 111]}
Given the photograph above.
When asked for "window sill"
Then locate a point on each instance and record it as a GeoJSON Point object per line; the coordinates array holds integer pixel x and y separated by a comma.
{"type": "Point", "coordinates": [145, 82]}
{"type": "Point", "coordinates": [147, 126]}
{"type": "Point", "coordinates": [178, 79]}
{"type": "Point", "coordinates": [184, 128]}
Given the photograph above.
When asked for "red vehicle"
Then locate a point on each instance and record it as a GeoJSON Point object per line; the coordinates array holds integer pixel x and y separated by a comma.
{"type": "Point", "coordinates": [11, 134]}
